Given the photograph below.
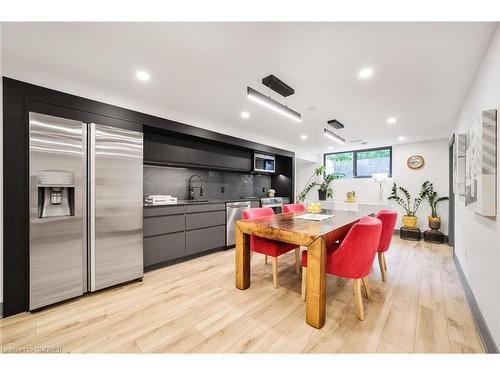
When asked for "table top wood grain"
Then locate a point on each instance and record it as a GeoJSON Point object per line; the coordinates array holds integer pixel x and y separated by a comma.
{"type": "Point", "coordinates": [288, 228]}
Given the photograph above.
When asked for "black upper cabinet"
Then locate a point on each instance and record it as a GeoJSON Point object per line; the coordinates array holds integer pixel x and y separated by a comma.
{"type": "Point", "coordinates": [170, 150]}
{"type": "Point", "coordinates": [159, 148]}
{"type": "Point", "coordinates": [206, 155]}
{"type": "Point", "coordinates": [238, 159]}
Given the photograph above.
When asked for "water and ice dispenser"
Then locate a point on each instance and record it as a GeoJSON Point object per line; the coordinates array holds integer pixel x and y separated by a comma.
{"type": "Point", "coordinates": [56, 193]}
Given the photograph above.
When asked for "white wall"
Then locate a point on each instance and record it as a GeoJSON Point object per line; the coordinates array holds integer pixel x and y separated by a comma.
{"type": "Point", "coordinates": [435, 154]}
{"type": "Point", "coordinates": [1, 176]}
{"type": "Point", "coordinates": [477, 239]}
{"type": "Point", "coordinates": [435, 170]}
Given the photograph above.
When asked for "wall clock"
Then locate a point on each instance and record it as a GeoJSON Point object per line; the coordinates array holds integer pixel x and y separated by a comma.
{"type": "Point", "coordinates": [415, 162]}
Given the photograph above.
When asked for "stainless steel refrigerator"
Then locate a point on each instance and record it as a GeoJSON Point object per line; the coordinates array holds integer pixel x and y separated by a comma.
{"type": "Point", "coordinates": [86, 205]}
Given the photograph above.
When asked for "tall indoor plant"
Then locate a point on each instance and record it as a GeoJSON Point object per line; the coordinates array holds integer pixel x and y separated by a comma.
{"type": "Point", "coordinates": [405, 201]}
{"type": "Point", "coordinates": [433, 198]}
{"type": "Point", "coordinates": [324, 188]}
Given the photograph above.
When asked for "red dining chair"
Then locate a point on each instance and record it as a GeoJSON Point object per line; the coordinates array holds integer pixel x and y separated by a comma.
{"type": "Point", "coordinates": [352, 258]}
{"type": "Point", "coordinates": [293, 207]}
{"type": "Point", "coordinates": [269, 247]}
{"type": "Point", "coordinates": [388, 219]}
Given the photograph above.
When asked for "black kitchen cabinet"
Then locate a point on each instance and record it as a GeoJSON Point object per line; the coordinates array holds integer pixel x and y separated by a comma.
{"type": "Point", "coordinates": [163, 224]}
{"type": "Point", "coordinates": [205, 239]}
{"type": "Point", "coordinates": [205, 219]}
{"type": "Point", "coordinates": [170, 150]}
{"type": "Point", "coordinates": [238, 162]}
{"type": "Point", "coordinates": [174, 232]}
{"type": "Point", "coordinates": [206, 158]}
{"type": "Point", "coordinates": [164, 248]}
{"type": "Point", "coordinates": [159, 148]}
{"type": "Point", "coordinates": [206, 207]}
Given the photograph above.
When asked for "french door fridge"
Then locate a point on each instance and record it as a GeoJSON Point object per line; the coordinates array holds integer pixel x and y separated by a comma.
{"type": "Point", "coordinates": [86, 205]}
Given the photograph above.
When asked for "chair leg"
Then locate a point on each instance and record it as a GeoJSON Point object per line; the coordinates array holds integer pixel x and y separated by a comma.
{"type": "Point", "coordinates": [275, 271]}
{"type": "Point", "coordinates": [381, 263]}
{"type": "Point", "coordinates": [367, 288]}
{"type": "Point", "coordinates": [385, 263]}
{"type": "Point", "coordinates": [297, 260]}
{"type": "Point", "coordinates": [265, 262]}
{"type": "Point", "coordinates": [359, 300]}
{"type": "Point", "coordinates": [304, 283]}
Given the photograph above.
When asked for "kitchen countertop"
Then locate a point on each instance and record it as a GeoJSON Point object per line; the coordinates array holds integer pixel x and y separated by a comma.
{"type": "Point", "coordinates": [181, 202]}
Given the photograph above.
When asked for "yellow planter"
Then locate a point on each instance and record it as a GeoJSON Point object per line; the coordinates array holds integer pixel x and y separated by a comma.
{"type": "Point", "coordinates": [409, 221]}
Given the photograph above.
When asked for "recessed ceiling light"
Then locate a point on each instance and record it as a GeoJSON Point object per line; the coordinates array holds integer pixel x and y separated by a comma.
{"type": "Point", "coordinates": [365, 73]}
{"type": "Point", "coordinates": [392, 120]}
{"type": "Point", "coordinates": [245, 114]}
{"type": "Point", "coordinates": [401, 138]}
{"type": "Point", "coordinates": [330, 147]}
{"type": "Point", "coordinates": [143, 76]}
{"type": "Point", "coordinates": [303, 137]}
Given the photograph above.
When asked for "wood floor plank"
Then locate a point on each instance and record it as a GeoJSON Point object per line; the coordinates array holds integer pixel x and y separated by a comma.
{"type": "Point", "coordinates": [193, 307]}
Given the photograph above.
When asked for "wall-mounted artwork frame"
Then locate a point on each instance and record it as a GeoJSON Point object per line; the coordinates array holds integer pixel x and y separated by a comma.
{"type": "Point", "coordinates": [459, 147]}
{"type": "Point", "coordinates": [481, 165]}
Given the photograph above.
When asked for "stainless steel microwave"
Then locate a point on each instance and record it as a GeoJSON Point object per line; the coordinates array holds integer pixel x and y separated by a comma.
{"type": "Point", "coordinates": [264, 163]}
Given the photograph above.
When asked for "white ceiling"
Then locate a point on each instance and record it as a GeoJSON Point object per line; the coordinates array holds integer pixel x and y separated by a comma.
{"type": "Point", "coordinates": [200, 71]}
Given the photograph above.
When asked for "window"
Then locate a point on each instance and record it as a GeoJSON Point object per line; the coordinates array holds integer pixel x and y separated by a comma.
{"type": "Point", "coordinates": [359, 163]}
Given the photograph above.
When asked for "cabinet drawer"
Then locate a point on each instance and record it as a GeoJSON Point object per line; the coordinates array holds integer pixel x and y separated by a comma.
{"type": "Point", "coordinates": [205, 219]}
{"type": "Point", "coordinates": [205, 239]}
{"type": "Point", "coordinates": [163, 224]}
{"type": "Point", "coordinates": [206, 207]}
{"type": "Point", "coordinates": [163, 210]}
{"type": "Point", "coordinates": [163, 248]}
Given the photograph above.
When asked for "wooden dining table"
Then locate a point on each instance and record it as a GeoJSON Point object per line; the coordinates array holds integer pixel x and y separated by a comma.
{"type": "Point", "coordinates": [315, 235]}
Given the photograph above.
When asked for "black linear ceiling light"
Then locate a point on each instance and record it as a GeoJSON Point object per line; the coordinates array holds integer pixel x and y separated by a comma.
{"type": "Point", "coordinates": [337, 138]}
{"type": "Point", "coordinates": [273, 104]}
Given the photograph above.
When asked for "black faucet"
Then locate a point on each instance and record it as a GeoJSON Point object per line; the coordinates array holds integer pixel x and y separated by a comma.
{"type": "Point", "coordinates": [191, 187]}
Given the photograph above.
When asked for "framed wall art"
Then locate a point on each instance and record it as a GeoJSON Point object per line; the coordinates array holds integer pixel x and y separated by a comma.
{"type": "Point", "coordinates": [481, 165]}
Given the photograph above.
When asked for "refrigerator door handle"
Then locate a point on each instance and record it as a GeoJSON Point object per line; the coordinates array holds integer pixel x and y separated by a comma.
{"type": "Point", "coordinates": [85, 188]}
{"type": "Point", "coordinates": [91, 206]}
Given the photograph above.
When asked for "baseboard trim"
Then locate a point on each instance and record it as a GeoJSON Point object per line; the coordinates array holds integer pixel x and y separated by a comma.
{"type": "Point", "coordinates": [484, 332]}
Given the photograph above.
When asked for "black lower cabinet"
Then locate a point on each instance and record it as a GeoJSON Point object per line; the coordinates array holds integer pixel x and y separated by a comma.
{"type": "Point", "coordinates": [200, 240]}
{"type": "Point", "coordinates": [173, 233]}
{"type": "Point", "coordinates": [164, 248]}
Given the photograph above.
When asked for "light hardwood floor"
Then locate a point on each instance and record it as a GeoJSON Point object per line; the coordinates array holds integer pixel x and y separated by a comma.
{"type": "Point", "coordinates": [194, 307]}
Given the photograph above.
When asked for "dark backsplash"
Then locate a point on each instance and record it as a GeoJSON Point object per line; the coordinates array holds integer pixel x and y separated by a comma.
{"type": "Point", "coordinates": [174, 181]}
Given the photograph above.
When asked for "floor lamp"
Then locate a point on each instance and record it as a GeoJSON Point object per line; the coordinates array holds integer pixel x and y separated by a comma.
{"type": "Point", "coordinates": [380, 178]}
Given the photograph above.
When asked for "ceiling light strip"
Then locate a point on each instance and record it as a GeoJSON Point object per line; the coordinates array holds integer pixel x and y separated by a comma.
{"type": "Point", "coordinates": [337, 138]}
{"type": "Point", "coordinates": [273, 104]}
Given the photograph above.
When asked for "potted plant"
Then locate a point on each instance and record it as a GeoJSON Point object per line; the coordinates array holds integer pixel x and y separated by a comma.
{"type": "Point", "coordinates": [351, 196]}
{"type": "Point", "coordinates": [410, 219]}
{"type": "Point", "coordinates": [324, 188]}
{"type": "Point", "coordinates": [433, 198]}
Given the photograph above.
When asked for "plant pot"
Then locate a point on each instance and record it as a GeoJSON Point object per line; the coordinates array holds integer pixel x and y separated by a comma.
{"type": "Point", "coordinates": [322, 195]}
{"type": "Point", "coordinates": [434, 222]}
{"type": "Point", "coordinates": [409, 221]}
